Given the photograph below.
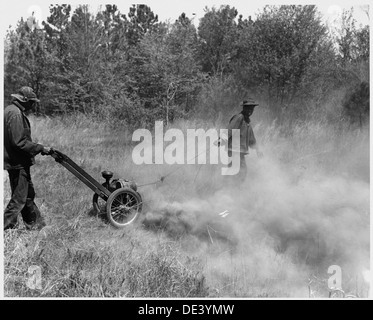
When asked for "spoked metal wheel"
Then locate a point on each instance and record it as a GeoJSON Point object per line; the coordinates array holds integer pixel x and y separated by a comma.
{"type": "Point", "coordinates": [123, 206]}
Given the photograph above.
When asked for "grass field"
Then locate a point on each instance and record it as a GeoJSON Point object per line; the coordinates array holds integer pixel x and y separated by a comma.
{"type": "Point", "coordinates": [302, 208]}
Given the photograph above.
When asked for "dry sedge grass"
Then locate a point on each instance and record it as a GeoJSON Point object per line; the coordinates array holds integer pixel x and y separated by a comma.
{"type": "Point", "coordinates": [179, 247]}
{"type": "Point", "coordinates": [89, 259]}
{"type": "Point", "coordinates": [81, 255]}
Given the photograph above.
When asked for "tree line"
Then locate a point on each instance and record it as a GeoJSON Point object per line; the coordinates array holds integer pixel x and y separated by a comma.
{"type": "Point", "coordinates": [136, 69]}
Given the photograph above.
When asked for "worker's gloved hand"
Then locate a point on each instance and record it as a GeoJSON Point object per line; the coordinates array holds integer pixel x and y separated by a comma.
{"type": "Point", "coordinates": [46, 151]}
{"type": "Point", "coordinates": [217, 142]}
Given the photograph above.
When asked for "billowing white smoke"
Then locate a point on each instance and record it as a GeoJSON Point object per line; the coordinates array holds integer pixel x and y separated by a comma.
{"type": "Point", "coordinates": [314, 216]}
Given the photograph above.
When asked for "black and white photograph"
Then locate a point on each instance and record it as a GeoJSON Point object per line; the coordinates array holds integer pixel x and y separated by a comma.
{"type": "Point", "coordinates": [196, 150]}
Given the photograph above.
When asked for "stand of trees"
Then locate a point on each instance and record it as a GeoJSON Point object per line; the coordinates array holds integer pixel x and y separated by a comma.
{"type": "Point", "coordinates": [134, 68]}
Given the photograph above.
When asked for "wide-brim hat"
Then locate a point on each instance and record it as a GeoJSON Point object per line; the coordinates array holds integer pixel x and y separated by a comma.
{"type": "Point", "coordinates": [25, 94]}
{"type": "Point", "coordinates": [249, 103]}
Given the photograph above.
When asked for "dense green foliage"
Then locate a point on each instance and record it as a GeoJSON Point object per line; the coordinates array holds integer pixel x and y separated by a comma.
{"type": "Point", "coordinates": [136, 69]}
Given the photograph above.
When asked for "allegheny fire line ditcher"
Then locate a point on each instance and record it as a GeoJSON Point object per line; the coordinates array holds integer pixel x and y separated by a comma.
{"type": "Point", "coordinates": [118, 198]}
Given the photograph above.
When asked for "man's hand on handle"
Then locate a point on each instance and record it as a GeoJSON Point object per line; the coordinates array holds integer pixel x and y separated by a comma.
{"type": "Point", "coordinates": [46, 151]}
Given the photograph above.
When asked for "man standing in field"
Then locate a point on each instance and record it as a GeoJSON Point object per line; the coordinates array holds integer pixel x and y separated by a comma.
{"type": "Point", "coordinates": [242, 122]}
{"type": "Point", "coordinates": [19, 156]}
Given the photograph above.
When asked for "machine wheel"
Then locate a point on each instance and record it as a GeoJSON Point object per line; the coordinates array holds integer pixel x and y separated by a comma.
{"type": "Point", "coordinates": [123, 207]}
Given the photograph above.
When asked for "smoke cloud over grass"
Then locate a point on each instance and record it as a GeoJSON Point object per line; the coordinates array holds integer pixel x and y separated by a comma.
{"type": "Point", "coordinates": [300, 210]}
{"type": "Point", "coordinates": [303, 207]}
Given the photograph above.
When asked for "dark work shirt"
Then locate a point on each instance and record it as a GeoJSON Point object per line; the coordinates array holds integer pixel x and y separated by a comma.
{"type": "Point", "coordinates": [247, 137]}
{"type": "Point", "coordinates": [19, 149]}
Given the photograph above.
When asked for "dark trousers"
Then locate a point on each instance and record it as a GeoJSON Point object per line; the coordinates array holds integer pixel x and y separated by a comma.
{"type": "Point", "coordinates": [241, 175]}
{"type": "Point", "coordinates": [22, 201]}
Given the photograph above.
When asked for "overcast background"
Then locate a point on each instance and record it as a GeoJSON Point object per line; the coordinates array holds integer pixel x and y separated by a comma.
{"type": "Point", "coordinates": [11, 12]}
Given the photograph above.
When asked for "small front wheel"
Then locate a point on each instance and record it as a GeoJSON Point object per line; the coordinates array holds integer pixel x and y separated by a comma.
{"type": "Point", "coordinates": [123, 207]}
